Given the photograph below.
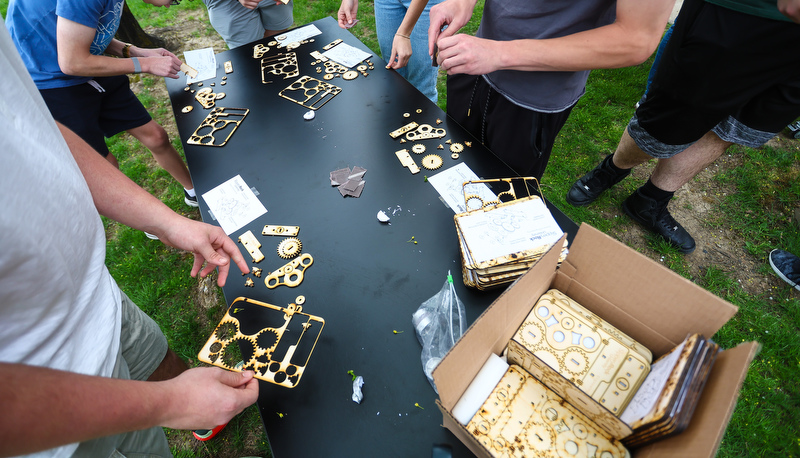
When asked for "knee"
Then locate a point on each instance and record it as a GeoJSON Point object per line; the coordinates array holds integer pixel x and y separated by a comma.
{"type": "Point", "coordinates": [155, 137]}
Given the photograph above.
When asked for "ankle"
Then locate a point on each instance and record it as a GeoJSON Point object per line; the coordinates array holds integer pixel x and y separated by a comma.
{"type": "Point", "coordinates": [652, 191]}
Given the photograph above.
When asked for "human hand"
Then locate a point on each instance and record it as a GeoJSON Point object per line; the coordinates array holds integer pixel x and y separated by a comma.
{"type": "Point", "coordinates": [790, 9]}
{"type": "Point", "coordinates": [401, 52]}
{"type": "Point", "coordinates": [446, 19]}
{"type": "Point", "coordinates": [211, 247]}
{"type": "Point", "coordinates": [250, 4]}
{"type": "Point", "coordinates": [347, 13]}
{"type": "Point", "coordinates": [467, 54]}
{"type": "Point", "coordinates": [206, 397]}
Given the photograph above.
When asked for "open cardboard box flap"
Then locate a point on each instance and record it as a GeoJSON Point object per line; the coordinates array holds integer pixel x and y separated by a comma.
{"type": "Point", "coordinates": [641, 298]}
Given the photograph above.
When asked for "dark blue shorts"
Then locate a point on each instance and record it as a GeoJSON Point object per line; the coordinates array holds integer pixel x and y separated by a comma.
{"type": "Point", "coordinates": [100, 108]}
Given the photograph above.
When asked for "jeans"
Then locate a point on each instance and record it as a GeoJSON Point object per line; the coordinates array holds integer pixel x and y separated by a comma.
{"type": "Point", "coordinates": [389, 15]}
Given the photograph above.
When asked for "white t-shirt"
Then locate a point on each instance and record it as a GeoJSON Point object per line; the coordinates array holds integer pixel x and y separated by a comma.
{"type": "Point", "coordinates": [59, 306]}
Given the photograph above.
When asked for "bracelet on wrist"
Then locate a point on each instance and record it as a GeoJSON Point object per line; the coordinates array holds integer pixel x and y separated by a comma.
{"type": "Point", "coordinates": [126, 50]}
{"type": "Point", "coordinates": [137, 67]}
{"type": "Point", "coordinates": [404, 36]}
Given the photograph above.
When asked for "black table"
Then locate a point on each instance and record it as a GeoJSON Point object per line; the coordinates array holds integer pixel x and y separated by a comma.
{"type": "Point", "coordinates": [367, 278]}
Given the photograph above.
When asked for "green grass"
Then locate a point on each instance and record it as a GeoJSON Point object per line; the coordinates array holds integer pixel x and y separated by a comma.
{"type": "Point", "coordinates": [762, 194]}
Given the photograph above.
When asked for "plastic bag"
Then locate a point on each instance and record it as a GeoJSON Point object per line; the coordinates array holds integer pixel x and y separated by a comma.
{"type": "Point", "coordinates": [439, 323]}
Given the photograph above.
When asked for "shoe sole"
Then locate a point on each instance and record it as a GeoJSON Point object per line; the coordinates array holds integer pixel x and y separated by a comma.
{"type": "Point", "coordinates": [579, 204]}
{"type": "Point", "coordinates": [782, 276]}
{"type": "Point", "coordinates": [645, 226]}
{"type": "Point", "coordinates": [191, 203]}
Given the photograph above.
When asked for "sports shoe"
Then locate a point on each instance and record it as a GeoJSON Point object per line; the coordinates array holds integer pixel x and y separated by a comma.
{"type": "Point", "coordinates": [787, 266]}
{"type": "Point", "coordinates": [151, 236]}
{"type": "Point", "coordinates": [655, 217]}
{"type": "Point", "coordinates": [206, 434]}
{"type": "Point", "coordinates": [190, 200]}
{"type": "Point", "coordinates": [589, 187]}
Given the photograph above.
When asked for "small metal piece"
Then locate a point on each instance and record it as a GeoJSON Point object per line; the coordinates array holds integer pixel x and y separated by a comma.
{"type": "Point", "coordinates": [229, 67]}
{"type": "Point", "coordinates": [432, 161]}
{"type": "Point", "coordinates": [272, 43]}
{"type": "Point", "coordinates": [456, 147]}
{"type": "Point", "coordinates": [419, 148]}
{"type": "Point", "coordinates": [200, 84]}
{"type": "Point", "coordinates": [402, 140]}
{"type": "Point", "coordinates": [223, 83]}
{"type": "Point", "coordinates": [289, 248]}
{"type": "Point", "coordinates": [350, 75]}
{"type": "Point", "coordinates": [212, 84]}
{"type": "Point", "coordinates": [284, 231]}
{"type": "Point", "coordinates": [249, 282]}
{"type": "Point", "coordinates": [407, 161]}
{"type": "Point", "coordinates": [224, 78]}
{"type": "Point", "coordinates": [248, 239]}
{"type": "Point", "coordinates": [408, 127]}
{"type": "Point", "coordinates": [455, 155]}
{"type": "Point", "coordinates": [187, 108]}
{"type": "Point", "coordinates": [300, 300]}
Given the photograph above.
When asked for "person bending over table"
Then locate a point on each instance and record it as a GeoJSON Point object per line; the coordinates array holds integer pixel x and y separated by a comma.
{"type": "Point", "coordinates": [84, 371]}
{"type": "Point", "coordinates": [514, 84]}
{"type": "Point", "coordinates": [243, 21]}
{"type": "Point", "coordinates": [67, 46]}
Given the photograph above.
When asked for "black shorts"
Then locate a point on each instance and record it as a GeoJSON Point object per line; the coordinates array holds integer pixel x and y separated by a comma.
{"type": "Point", "coordinates": [723, 71]}
{"type": "Point", "coordinates": [522, 138]}
{"type": "Point", "coordinates": [97, 109]}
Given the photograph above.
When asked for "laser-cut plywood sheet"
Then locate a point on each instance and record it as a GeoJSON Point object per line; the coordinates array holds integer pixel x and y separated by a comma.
{"type": "Point", "coordinates": [274, 342]}
{"type": "Point", "coordinates": [523, 418]}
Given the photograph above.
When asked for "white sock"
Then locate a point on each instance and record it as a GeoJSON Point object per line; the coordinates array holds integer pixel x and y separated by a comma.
{"type": "Point", "coordinates": [190, 192]}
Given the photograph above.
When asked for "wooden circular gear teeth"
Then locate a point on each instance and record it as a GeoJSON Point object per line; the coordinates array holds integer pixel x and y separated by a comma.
{"type": "Point", "coordinates": [289, 248]}
{"type": "Point", "coordinates": [473, 202]}
{"type": "Point", "coordinates": [350, 75]}
{"type": "Point", "coordinates": [281, 37]}
{"type": "Point", "coordinates": [418, 148]}
{"type": "Point", "coordinates": [187, 109]}
{"type": "Point", "coordinates": [432, 161]}
{"type": "Point", "coordinates": [455, 155]}
{"type": "Point", "coordinates": [361, 68]}
{"type": "Point", "coordinates": [456, 148]}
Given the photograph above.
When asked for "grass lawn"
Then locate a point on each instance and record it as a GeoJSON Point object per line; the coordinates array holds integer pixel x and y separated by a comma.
{"type": "Point", "coordinates": [750, 201]}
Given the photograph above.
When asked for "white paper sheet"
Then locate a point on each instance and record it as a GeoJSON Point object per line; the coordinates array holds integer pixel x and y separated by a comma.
{"type": "Point", "coordinates": [233, 204]}
{"type": "Point", "coordinates": [449, 184]}
{"type": "Point", "coordinates": [649, 391]}
{"type": "Point", "coordinates": [300, 34]}
{"type": "Point", "coordinates": [511, 229]}
{"type": "Point", "coordinates": [202, 60]}
{"type": "Point", "coordinates": [346, 55]}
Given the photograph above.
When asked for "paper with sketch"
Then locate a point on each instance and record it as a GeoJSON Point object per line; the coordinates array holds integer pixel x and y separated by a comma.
{"type": "Point", "coordinates": [650, 390]}
{"type": "Point", "coordinates": [202, 60]}
{"type": "Point", "coordinates": [299, 34]}
{"type": "Point", "coordinates": [449, 184]}
{"type": "Point", "coordinates": [509, 229]}
{"type": "Point", "coordinates": [233, 204]}
{"type": "Point", "coordinates": [347, 55]}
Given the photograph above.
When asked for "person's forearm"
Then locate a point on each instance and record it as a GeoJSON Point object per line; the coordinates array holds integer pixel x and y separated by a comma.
{"type": "Point", "coordinates": [44, 408]}
{"type": "Point", "coordinates": [114, 194]}
{"type": "Point", "coordinates": [412, 16]}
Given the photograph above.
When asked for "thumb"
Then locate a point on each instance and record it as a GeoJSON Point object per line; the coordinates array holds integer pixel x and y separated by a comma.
{"type": "Point", "coordinates": [236, 379]}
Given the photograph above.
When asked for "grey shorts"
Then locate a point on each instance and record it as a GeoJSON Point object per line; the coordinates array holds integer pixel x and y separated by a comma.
{"type": "Point", "coordinates": [238, 25]}
{"type": "Point", "coordinates": [142, 348]}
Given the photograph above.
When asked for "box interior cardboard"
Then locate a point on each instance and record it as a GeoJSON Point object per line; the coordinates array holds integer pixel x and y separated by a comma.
{"type": "Point", "coordinates": [642, 298]}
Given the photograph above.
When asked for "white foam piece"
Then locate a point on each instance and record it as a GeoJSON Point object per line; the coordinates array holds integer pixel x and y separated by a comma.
{"type": "Point", "coordinates": [479, 390]}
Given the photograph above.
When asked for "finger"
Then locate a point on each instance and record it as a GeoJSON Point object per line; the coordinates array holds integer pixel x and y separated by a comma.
{"type": "Point", "coordinates": [236, 379]}
{"type": "Point", "coordinates": [222, 277]}
{"type": "Point", "coordinates": [197, 265]}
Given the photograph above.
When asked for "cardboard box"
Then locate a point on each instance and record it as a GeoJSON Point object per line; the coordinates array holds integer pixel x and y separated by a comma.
{"type": "Point", "coordinates": [643, 299]}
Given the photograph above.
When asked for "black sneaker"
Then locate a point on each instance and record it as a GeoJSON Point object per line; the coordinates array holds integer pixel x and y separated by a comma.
{"type": "Point", "coordinates": [787, 266]}
{"type": "Point", "coordinates": [190, 200]}
{"type": "Point", "coordinates": [655, 217]}
{"type": "Point", "coordinates": [589, 187]}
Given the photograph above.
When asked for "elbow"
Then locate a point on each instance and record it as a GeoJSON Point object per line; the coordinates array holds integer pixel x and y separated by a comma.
{"type": "Point", "coordinates": [67, 66]}
{"type": "Point", "coordinates": [641, 50]}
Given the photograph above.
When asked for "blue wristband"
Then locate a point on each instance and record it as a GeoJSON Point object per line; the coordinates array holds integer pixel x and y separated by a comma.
{"type": "Point", "coordinates": [137, 67]}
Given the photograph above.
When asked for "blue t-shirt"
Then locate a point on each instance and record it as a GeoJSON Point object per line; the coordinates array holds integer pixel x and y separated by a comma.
{"type": "Point", "coordinates": [32, 24]}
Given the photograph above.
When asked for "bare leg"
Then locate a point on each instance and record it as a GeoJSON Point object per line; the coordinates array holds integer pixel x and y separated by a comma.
{"type": "Point", "coordinates": [155, 138]}
{"type": "Point", "coordinates": [171, 366]}
{"type": "Point", "coordinates": [112, 159]}
{"type": "Point", "coordinates": [628, 155]}
{"type": "Point", "coordinates": [670, 174]}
